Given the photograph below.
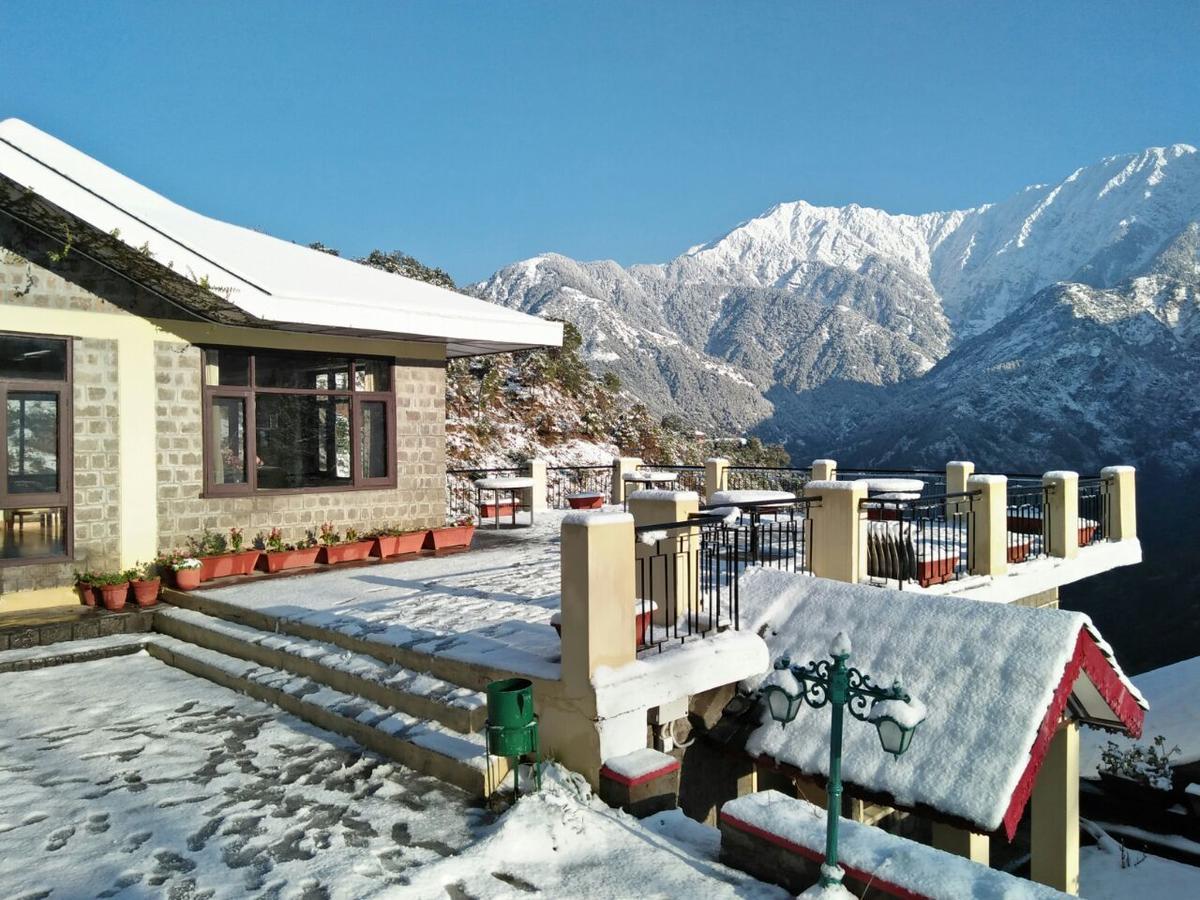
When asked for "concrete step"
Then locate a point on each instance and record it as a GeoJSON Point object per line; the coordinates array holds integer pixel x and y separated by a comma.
{"type": "Point", "coordinates": [389, 685]}
{"type": "Point", "coordinates": [318, 626]}
{"type": "Point", "coordinates": [421, 744]}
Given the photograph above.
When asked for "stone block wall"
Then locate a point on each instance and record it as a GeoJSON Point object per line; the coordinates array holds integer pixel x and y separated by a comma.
{"type": "Point", "coordinates": [418, 501]}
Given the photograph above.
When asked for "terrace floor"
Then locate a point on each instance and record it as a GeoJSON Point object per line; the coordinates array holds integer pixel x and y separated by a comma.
{"type": "Point", "coordinates": [490, 604]}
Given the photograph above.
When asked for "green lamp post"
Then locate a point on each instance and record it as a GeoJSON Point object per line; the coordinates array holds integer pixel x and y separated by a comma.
{"type": "Point", "coordinates": [893, 712]}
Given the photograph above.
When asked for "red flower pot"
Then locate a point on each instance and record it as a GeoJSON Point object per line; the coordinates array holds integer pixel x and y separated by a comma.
{"type": "Point", "coordinates": [936, 571]}
{"type": "Point", "coordinates": [396, 544]}
{"type": "Point", "coordinates": [450, 538]}
{"type": "Point", "coordinates": [86, 593]}
{"type": "Point", "coordinates": [146, 592]}
{"type": "Point", "coordinates": [113, 595]}
{"type": "Point", "coordinates": [1019, 552]}
{"type": "Point", "coordinates": [227, 564]}
{"type": "Point", "coordinates": [643, 616]}
{"type": "Point", "coordinates": [586, 501]}
{"type": "Point", "coordinates": [279, 560]}
{"type": "Point", "coordinates": [490, 510]}
{"type": "Point", "coordinates": [350, 552]}
{"type": "Point", "coordinates": [187, 579]}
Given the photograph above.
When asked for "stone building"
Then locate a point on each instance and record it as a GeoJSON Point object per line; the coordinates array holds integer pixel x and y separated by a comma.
{"type": "Point", "coordinates": [164, 373]}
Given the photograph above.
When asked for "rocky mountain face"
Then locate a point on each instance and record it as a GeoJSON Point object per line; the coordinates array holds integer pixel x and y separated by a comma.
{"type": "Point", "coordinates": [1043, 326]}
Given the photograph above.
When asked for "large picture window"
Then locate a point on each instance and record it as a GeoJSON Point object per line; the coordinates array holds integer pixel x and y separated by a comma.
{"type": "Point", "coordinates": [283, 421]}
{"type": "Point", "coordinates": [35, 457]}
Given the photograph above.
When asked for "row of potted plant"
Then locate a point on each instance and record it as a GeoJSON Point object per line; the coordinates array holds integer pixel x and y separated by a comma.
{"type": "Point", "coordinates": [113, 589]}
{"type": "Point", "coordinates": [214, 555]}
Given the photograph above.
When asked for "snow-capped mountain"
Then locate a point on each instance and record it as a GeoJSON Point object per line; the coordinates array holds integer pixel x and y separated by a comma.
{"type": "Point", "coordinates": [782, 322]}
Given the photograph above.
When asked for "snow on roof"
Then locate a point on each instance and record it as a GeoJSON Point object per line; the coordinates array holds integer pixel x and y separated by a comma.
{"type": "Point", "coordinates": [872, 855]}
{"type": "Point", "coordinates": [991, 676]}
{"type": "Point", "coordinates": [1174, 695]}
{"type": "Point", "coordinates": [275, 281]}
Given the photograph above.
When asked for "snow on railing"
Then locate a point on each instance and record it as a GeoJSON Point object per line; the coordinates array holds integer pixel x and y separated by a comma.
{"type": "Point", "coordinates": [766, 478]}
{"type": "Point", "coordinates": [1027, 513]}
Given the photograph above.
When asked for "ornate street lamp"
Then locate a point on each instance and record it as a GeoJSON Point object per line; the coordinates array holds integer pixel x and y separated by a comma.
{"type": "Point", "coordinates": [893, 712]}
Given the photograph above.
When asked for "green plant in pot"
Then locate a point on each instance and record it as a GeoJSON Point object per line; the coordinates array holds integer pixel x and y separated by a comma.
{"type": "Point", "coordinates": [145, 583]}
{"type": "Point", "coordinates": [84, 587]}
{"type": "Point", "coordinates": [113, 588]}
{"type": "Point", "coordinates": [187, 573]}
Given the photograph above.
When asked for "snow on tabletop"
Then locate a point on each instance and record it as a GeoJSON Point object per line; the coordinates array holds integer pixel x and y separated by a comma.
{"type": "Point", "coordinates": [502, 483]}
{"type": "Point", "coordinates": [733, 498]}
{"type": "Point", "coordinates": [985, 672]}
{"type": "Point", "coordinates": [728, 515]}
{"type": "Point", "coordinates": [639, 763]}
{"type": "Point", "coordinates": [682, 670]}
{"type": "Point", "coordinates": [836, 485]}
{"type": "Point", "coordinates": [564, 842]}
{"type": "Point", "coordinates": [676, 496]}
{"type": "Point", "coordinates": [908, 485]}
{"type": "Point", "coordinates": [590, 518]}
{"type": "Point", "coordinates": [916, 867]}
{"type": "Point", "coordinates": [1173, 693]}
{"type": "Point", "coordinates": [897, 495]}
{"type": "Point", "coordinates": [650, 476]}
{"type": "Point", "coordinates": [125, 776]}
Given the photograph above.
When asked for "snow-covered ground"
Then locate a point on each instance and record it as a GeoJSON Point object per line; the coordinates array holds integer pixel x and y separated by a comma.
{"type": "Point", "coordinates": [127, 778]}
{"type": "Point", "coordinates": [1101, 876]}
{"type": "Point", "coordinates": [491, 604]}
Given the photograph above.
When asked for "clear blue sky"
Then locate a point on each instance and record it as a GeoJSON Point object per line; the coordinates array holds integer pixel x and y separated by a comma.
{"type": "Point", "coordinates": [475, 134]}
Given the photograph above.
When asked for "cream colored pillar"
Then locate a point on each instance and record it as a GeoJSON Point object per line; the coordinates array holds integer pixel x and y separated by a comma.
{"type": "Point", "coordinates": [957, 473]}
{"type": "Point", "coordinates": [1063, 508]}
{"type": "Point", "coordinates": [667, 571]}
{"type": "Point", "coordinates": [960, 842]}
{"type": "Point", "coordinates": [536, 498]}
{"type": "Point", "coordinates": [716, 475]}
{"type": "Point", "coordinates": [597, 593]}
{"type": "Point", "coordinates": [839, 529]}
{"type": "Point", "coordinates": [1122, 502]}
{"type": "Point", "coordinates": [1054, 814]}
{"type": "Point", "coordinates": [989, 531]}
{"type": "Point", "coordinates": [824, 470]}
{"type": "Point", "coordinates": [622, 465]}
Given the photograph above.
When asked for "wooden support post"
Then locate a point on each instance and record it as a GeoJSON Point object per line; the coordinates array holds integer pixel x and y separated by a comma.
{"type": "Point", "coordinates": [716, 477]}
{"type": "Point", "coordinates": [1054, 814]}
{"type": "Point", "coordinates": [1063, 507]}
{"type": "Point", "coordinates": [839, 530]}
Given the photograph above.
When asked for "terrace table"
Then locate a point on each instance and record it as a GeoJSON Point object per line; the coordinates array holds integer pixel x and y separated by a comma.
{"type": "Point", "coordinates": [510, 486]}
{"type": "Point", "coordinates": [895, 486]}
{"type": "Point", "coordinates": [647, 479]}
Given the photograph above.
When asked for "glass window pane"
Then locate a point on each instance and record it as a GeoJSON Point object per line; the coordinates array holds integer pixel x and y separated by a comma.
{"type": "Point", "coordinates": [29, 357]}
{"type": "Point", "coordinates": [302, 440]}
{"type": "Point", "coordinates": [224, 366]}
{"type": "Point", "coordinates": [311, 371]}
{"type": "Point", "coordinates": [31, 440]}
{"type": "Point", "coordinates": [372, 439]}
{"type": "Point", "coordinates": [31, 533]}
{"type": "Point", "coordinates": [228, 444]}
{"type": "Point", "coordinates": [372, 375]}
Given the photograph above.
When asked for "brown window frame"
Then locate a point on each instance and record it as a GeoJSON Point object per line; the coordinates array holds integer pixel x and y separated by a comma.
{"type": "Point", "coordinates": [64, 497]}
{"type": "Point", "coordinates": [247, 394]}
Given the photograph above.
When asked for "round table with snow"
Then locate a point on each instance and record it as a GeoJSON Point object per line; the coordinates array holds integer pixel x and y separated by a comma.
{"type": "Point", "coordinates": [894, 485]}
{"type": "Point", "coordinates": [514, 487]}
{"type": "Point", "coordinates": [742, 498]}
{"type": "Point", "coordinates": [647, 479]}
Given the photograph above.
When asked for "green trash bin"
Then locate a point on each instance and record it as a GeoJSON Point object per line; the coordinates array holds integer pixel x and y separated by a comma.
{"type": "Point", "coordinates": [510, 703]}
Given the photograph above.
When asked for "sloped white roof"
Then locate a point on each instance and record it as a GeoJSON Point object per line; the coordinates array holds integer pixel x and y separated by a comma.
{"type": "Point", "coordinates": [987, 674]}
{"type": "Point", "coordinates": [278, 282]}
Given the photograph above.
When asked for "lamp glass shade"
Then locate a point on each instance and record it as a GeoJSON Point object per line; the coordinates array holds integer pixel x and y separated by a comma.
{"type": "Point", "coordinates": [783, 706]}
{"type": "Point", "coordinates": [894, 737]}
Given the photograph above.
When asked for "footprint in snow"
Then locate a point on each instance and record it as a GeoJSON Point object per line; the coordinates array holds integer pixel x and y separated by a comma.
{"type": "Point", "coordinates": [58, 839]}
{"type": "Point", "coordinates": [97, 824]}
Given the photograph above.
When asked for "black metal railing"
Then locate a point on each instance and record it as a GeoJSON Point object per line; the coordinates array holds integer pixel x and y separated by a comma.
{"type": "Point", "coordinates": [1027, 515]}
{"type": "Point", "coordinates": [685, 587]}
{"type": "Point", "coordinates": [687, 478]}
{"type": "Point", "coordinates": [461, 498]}
{"type": "Point", "coordinates": [1093, 510]}
{"type": "Point", "coordinates": [687, 573]}
{"type": "Point", "coordinates": [926, 541]}
{"type": "Point", "coordinates": [765, 478]}
{"type": "Point", "coordinates": [564, 481]}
